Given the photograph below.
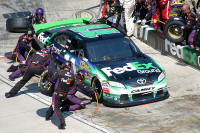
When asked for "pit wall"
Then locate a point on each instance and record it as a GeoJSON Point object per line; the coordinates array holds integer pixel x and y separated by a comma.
{"type": "Point", "coordinates": [156, 40]}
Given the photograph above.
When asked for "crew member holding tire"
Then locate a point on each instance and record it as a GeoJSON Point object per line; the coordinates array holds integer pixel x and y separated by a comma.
{"type": "Point", "coordinates": [191, 19]}
{"type": "Point", "coordinates": [65, 82]}
{"type": "Point", "coordinates": [37, 66]}
{"type": "Point", "coordinates": [162, 11]}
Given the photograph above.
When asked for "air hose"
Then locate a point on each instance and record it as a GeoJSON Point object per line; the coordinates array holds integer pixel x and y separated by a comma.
{"type": "Point", "coordinates": [141, 129]}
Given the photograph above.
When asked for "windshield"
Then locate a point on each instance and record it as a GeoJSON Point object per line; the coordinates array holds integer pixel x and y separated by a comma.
{"type": "Point", "coordinates": [111, 49]}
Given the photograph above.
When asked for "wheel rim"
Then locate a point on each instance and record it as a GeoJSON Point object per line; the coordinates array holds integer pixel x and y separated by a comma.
{"type": "Point", "coordinates": [175, 31]}
{"type": "Point", "coordinates": [97, 90]}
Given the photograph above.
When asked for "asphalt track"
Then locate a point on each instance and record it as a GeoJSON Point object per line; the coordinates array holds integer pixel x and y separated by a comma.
{"type": "Point", "coordinates": [180, 113]}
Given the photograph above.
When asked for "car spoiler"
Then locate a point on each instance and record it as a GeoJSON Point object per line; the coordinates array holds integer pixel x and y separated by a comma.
{"type": "Point", "coordinates": [69, 22]}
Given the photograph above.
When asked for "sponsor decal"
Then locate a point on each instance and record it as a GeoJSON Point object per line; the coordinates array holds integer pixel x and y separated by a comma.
{"type": "Point", "coordinates": [84, 65]}
{"type": "Point", "coordinates": [175, 50]}
{"type": "Point", "coordinates": [92, 31]}
{"type": "Point", "coordinates": [149, 71]}
{"type": "Point", "coordinates": [142, 90]}
{"type": "Point", "coordinates": [43, 38]}
{"type": "Point", "coordinates": [56, 50]}
{"type": "Point", "coordinates": [106, 90]}
{"type": "Point", "coordinates": [141, 81]}
{"type": "Point", "coordinates": [127, 68]}
{"type": "Point", "coordinates": [105, 85]}
{"type": "Point", "coordinates": [189, 56]}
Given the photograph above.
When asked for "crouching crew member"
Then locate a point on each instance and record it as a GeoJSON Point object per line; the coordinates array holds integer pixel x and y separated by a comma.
{"type": "Point", "coordinates": [37, 66]}
{"type": "Point", "coordinates": [63, 94]}
{"type": "Point", "coordinates": [24, 45]}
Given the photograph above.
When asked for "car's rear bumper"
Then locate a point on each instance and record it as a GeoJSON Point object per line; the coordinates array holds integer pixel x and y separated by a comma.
{"type": "Point", "coordinates": [126, 103]}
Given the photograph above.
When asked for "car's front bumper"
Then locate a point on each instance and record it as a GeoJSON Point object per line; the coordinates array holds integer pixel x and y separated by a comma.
{"type": "Point", "coordinates": [125, 100]}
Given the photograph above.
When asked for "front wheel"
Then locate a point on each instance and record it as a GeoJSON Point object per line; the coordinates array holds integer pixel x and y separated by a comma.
{"type": "Point", "coordinates": [45, 86]}
{"type": "Point", "coordinates": [174, 32]}
{"type": "Point", "coordinates": [96, 87]}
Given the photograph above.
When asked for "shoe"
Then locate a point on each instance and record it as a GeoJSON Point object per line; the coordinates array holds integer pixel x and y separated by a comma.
{"type": "Point", "coordinates": [62, 126]}
{"type": "Point", "coordinates": [47, 117]}
{"type": "Point", "coordinates": [12, 68]}
{"type": "Point", "coordinates": [8, 94]}
{"type": "Point", "coordinates": [11, 78]}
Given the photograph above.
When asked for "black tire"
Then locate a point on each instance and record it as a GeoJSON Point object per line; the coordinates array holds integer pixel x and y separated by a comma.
{"type": "Point", "coordinates": [45, 86]}
{"type": "Point", "coordinates": [173, 31]}
{"type": "Point", "coordinates": [96, 87]}
{"type": "Point", "coordinates": [17, 25]}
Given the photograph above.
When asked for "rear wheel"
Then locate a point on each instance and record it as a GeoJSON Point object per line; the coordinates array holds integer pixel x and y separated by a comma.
{"type": "Point", "coordinates": [46, 87]}
{"type": "Point", "coordinates": [96, 87]}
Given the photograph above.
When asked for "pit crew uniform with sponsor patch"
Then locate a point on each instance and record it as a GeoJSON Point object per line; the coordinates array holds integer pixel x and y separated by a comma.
{"type": "Point", "coordinates": [190, 27]}
{"type": "Point", "coordinates": [63, 93]}
{"type": "Point", "coordinates": [36, 19]}
{"type": "Point", "coordinates": [37, 66]}
{"type": "Point", "coordinates": [21, 68]}
{"type": "Point", "coordinates": [23, 45]}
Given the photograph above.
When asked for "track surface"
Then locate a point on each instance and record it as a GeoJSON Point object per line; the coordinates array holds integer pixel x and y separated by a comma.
{"type": "Point", "coordinates": [182, 106]}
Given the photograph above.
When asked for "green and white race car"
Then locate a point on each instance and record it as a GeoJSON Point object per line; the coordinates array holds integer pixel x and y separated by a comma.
{"type": "Point", "coordinates": [114, 66]}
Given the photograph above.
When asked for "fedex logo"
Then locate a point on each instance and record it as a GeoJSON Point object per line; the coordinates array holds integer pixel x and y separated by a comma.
{"type": "Point", "coordinates": [127, 68]}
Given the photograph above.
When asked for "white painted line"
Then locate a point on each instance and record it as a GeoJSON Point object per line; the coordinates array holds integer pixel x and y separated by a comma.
{"type": "Point", "coordinates": [71, 115]}
{"type": "Point", "coordinates": [49, 103]}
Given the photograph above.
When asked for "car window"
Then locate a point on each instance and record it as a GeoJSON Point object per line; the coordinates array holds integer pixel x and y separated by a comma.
{"type": "Point", "coordinates": [111, 49]}
{"type": "Point", "coordinates": [62, 39]}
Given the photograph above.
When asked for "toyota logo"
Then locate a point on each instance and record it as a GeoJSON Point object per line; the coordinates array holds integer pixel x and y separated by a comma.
{"type": "Point", "coordinates": [141, 81]}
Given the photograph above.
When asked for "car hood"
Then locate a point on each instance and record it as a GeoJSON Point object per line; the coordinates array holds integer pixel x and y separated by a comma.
{"type": "Point", "coordinates": [130, 70]}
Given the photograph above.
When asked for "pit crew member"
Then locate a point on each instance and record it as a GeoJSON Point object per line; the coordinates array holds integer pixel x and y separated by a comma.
{"type": "Point", "coordinates": [37, 66]}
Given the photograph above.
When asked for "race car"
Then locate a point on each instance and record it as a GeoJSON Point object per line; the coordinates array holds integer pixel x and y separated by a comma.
{"type": "Point", "coordinates": [114, 67]}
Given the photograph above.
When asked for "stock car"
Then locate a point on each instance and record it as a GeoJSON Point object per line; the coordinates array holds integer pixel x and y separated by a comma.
{"type": "Point", "coordinates": [114, 66]}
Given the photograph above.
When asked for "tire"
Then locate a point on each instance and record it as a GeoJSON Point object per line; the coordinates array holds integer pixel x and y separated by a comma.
{"type": "Point", "coordinates": [96, 87]}
{"type": "Point", "coordinates": [45, 86]}
{"type": "Point", "coordinates": [17, 25]}
{"type": "Point", "coordinates": [173, 31]}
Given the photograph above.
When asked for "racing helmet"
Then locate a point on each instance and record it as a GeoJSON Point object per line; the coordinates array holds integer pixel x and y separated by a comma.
{"type": "Point", "coordinates": [39, 11]}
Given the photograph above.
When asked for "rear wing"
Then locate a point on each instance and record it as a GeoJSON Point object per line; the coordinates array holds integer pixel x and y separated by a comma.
{"type": "Point", "coordinates": [69, 22]}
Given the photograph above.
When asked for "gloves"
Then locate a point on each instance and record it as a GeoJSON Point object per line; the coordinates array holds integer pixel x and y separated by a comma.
{"type": "Point", "coordinates": [182, 27]}
{"type": "Point", "coordinates": [143, 22]}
